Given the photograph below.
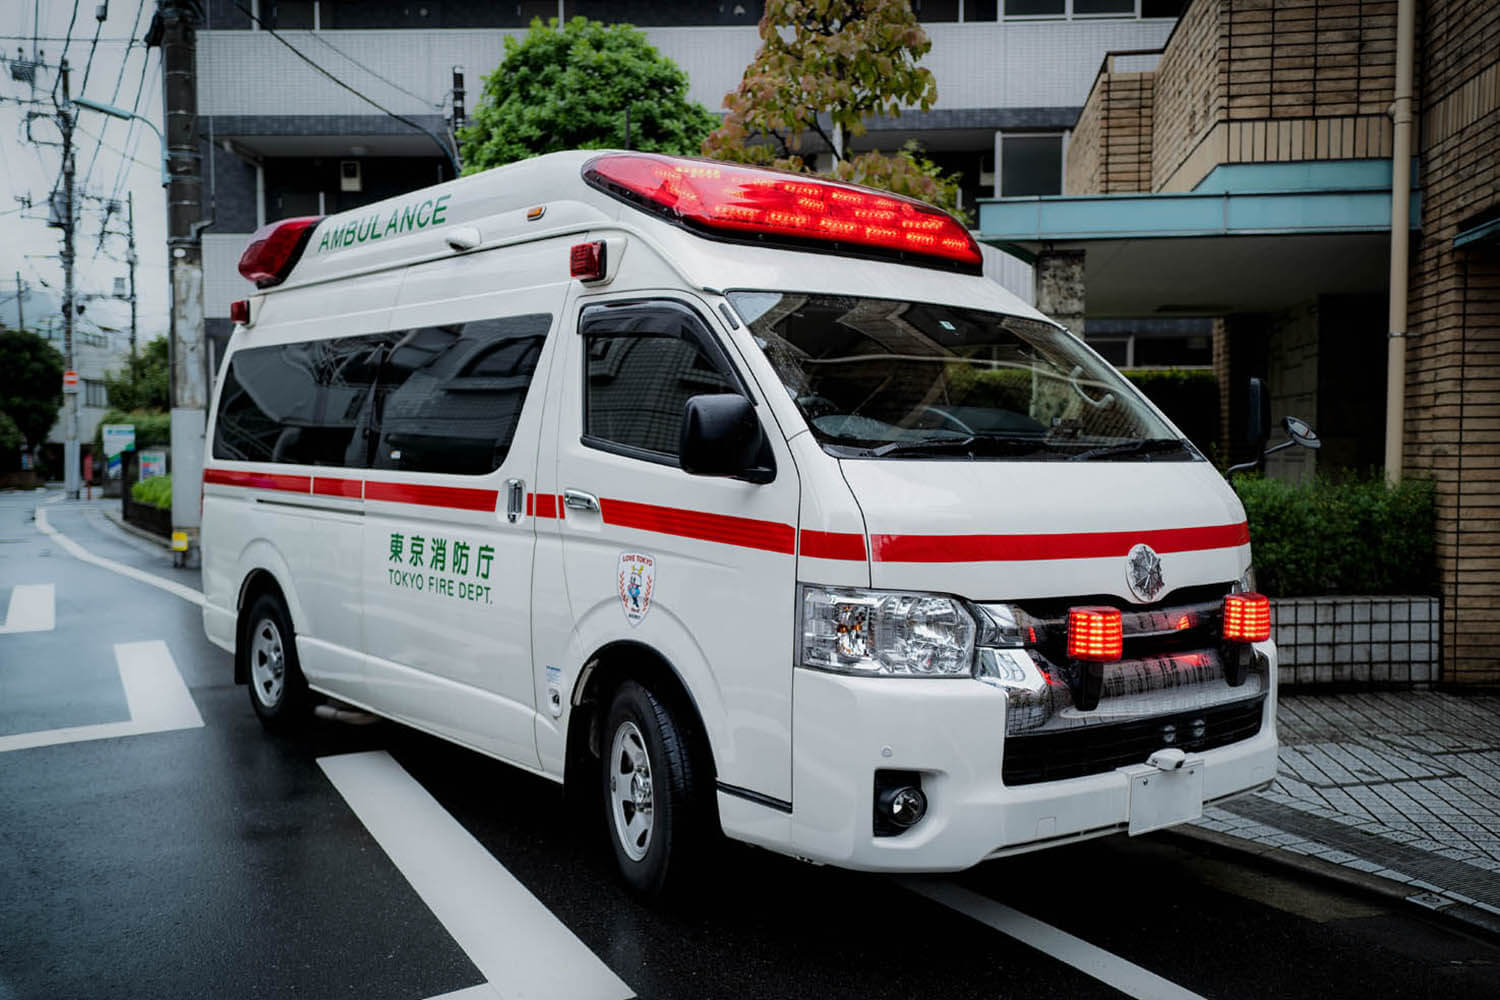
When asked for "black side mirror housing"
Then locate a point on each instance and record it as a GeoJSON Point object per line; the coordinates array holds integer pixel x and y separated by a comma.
{"type": "Point", "coordinates": [721, 436]}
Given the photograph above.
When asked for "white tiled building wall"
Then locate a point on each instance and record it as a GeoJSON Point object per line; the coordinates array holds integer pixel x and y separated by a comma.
{"type": "Point", "coordinates": [999, 65]}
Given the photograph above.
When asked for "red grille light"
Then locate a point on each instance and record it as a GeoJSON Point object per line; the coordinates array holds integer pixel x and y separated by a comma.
{"type": "Point", "coordinates": [734, 200]}
{"type": "Point", "coordinates": [1096, 634]}
{"type": "Point", "coordinates": [1247, 617]}
{"type": "Point", "coordinates": [239, 311]}
{"type": "Point", "coordinates": [275, 248]}
{"type": "Point", "coordinates": [586, 261]}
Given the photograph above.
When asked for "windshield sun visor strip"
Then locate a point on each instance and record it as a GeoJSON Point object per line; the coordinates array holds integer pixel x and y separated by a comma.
{"type": "Point", "coordinates": [1063, 545]}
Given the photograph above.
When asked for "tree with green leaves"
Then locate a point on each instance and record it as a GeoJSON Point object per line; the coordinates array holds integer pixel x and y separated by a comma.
{"type": "Point", "coordinates": [144, 382]}
{"type": "Point", "coordinates": [31, 373]}
{"type": "Point", "coordinates": [571, 87]}
{"type": "Point", "coordinates": [825, 67]}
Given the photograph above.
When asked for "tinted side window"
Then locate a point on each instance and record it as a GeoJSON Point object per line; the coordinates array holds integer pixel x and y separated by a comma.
{"type": "Point", "coordinates": [298, 403]}
{"type": "Point", "coordinates": [644, 362]}
{"type": "Point", "coordinates": [450, 397]}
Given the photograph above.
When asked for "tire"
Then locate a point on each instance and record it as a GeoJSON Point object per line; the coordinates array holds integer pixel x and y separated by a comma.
{"type": "Point", "coordinates": [278, 691]}
{"type": "Point", "coordinates": [654, 807]}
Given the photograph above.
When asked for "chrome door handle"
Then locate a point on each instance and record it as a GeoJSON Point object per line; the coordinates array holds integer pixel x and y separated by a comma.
{"type": "Point", "coordinates": [515, 495]}
{"type": "Point", "coordinates": [579, 500]}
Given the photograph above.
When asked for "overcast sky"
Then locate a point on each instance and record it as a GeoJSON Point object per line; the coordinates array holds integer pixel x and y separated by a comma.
{"type": "Point", "coordinates": [113, 75]}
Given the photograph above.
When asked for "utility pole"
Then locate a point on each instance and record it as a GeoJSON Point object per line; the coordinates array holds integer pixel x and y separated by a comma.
{"type": "Point", "coordinates": [177, 36]}
{"type": "Point", "coordinates": [20, 303]}
{"type": "Point", "coordinates": [130, 258]}
{"type": "Point", "coordinates": [70, 403]}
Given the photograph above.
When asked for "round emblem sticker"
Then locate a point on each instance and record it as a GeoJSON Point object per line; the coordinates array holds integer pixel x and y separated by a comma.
{"type": "Point", "coordinates": [1143, 573]}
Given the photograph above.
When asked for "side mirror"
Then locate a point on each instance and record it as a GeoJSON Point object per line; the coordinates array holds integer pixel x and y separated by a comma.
{"type": "Point", "coordinates": [1301, 432]}
{"type": "Point", "coordinates": [1258, 413]}
{"type": "Point", "coordinates": [721, 436]}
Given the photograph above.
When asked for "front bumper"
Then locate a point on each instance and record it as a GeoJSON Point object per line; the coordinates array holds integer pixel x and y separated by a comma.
{"type": "Point", "coordinates": [953, 733]}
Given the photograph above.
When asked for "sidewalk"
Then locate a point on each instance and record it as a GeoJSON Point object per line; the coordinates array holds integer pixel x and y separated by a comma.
{"type": "Point", "coordinates": [1397, 791]}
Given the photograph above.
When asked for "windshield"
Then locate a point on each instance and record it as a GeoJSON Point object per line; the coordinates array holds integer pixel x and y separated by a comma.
{"type": "Point", "coordinates": [884, 378]}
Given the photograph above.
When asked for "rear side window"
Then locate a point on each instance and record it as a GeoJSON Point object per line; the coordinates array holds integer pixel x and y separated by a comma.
{"type": "Point", "coordinates": [450, 397]}
{"type": "Point", "coordinates": [301, 404]}
{"type": "Point", "coordinates": [644, 362]}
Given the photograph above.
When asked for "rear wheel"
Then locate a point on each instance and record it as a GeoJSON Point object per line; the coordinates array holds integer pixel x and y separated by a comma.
{"type": "Point", "coordinates": [653, 803]}
{"type": "Point", "coordinates": [278, 691]}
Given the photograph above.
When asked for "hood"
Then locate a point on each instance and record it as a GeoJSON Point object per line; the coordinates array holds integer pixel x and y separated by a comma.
{"type": "Point", "coordinates": [994, 531]}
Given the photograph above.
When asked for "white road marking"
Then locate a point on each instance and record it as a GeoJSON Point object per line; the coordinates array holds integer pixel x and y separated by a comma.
{"type": "Point", "coordinates": [155, 694]}
{"type": "Point", "coordinates": [484, 991]}
{"type": "Point", "coordinates": [79, 552]}
{"type": "Point", "coordinates": [31, 609]}
{"type": "Point", "coordinates": [514, 941]}
{"type": "Point", "coordinates": [1108, 968]}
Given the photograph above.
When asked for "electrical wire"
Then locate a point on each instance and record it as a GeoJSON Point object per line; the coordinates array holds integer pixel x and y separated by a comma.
{"type": "Point", "coordinates": [67, 40]}
{"type": "Point", "coordinates": [115, 95]}
{"type": "Point", "coordinates": [131, 131]}
{"type": "Point", "coordinates": [452, 158]}
{"type": "Point", "coordinates": [117, 151]}
{"type": "Point", "coordinates": [318, 35]}
{"type": "Point", "coordinates": [88, 64]}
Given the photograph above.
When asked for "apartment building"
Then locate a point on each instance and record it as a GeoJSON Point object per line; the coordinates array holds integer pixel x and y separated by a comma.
{"type": "Point", "coordinates": [1243, 174]}
{"type": "Point", "coordinates": [281, 138]}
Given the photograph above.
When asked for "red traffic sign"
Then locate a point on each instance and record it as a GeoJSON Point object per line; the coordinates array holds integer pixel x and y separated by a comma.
{"type": "Point", "coordinates": [70, 381]}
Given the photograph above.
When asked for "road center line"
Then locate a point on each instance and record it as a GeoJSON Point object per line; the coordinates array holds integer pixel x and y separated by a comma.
{"type": "Point", "coordinates": [1104, 966]}
{"type": "Point", "coordinates": [155, 695]}
{"type": "Point", "coordinates": [31, 609]}
{"type": "Point", "coordinates": [522, 949]}
{"type": "Point", "coordinates": [79, 552]}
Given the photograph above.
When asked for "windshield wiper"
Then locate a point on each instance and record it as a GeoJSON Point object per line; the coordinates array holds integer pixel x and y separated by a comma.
{"type": "Point", "coordinates": [1149, 446]}
{"type": "Point", "coordinates": [974, 444]}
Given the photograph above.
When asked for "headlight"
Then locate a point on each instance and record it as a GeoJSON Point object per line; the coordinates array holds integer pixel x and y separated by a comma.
{"type": "Point", "coordinates": [1246, 583]}
{"type": "Point", "coordinates": [883, 632]}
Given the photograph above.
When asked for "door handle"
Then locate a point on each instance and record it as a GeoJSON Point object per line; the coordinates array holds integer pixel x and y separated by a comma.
{"type": "Point", "coordinates": [579, 500]}
{"type": "Point", "coordinates": [515, 494]}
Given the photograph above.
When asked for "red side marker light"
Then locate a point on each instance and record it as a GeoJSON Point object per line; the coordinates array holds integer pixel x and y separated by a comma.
{"type": "Point", "coordinates": [239, 311]}
{"type": "Point", "coordinates": [275, 249]}
{"type": "Point", "coordinates": [586, 261]}
{"type": "Point", "coordinates": [1247, 617]}
{"type": "Point", "coordinates": [1096, 634]}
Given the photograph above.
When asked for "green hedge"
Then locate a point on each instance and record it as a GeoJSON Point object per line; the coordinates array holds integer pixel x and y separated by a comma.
{"type": "Point", "coordinates": [1189, 397]}
{"type": "Point", "coordinates": [154, 492]}
{"type": "Point", "coordinates": [1341, 538]}
{"type": "Point", "coordinates": [152, 429]}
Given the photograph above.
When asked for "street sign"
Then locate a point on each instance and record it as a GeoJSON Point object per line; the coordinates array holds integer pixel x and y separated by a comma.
{"type": "Point", "coordinates": [153, 463]}
{"type": "Point", "coordinates": [70, 381]}
{"type": "Point", "coordinates": [117, 438]}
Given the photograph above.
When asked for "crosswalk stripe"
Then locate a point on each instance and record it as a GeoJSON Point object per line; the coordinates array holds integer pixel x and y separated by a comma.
{"type": "Point", "coordinates": [31, 609]}
{"type": "Point", "coordinates": [1089, 959]}
{"type": "Point", "coordinates": [519, 946]}
{"type": "Point", "coordinates": [157, 698]}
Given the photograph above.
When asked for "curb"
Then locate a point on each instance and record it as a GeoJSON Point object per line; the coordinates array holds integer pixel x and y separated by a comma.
{"type": "Point", "coordinates": [114, 517]}
{"type": "Point", "coordinates": [1468, 918]}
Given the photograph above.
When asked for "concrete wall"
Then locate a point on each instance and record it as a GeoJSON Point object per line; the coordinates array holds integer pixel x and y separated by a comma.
{"type": "Point", "coordinates": [1292, 375]}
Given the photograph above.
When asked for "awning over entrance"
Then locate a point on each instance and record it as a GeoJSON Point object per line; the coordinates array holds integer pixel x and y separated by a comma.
{"type": "Point", "coordinates": [1250, 238]}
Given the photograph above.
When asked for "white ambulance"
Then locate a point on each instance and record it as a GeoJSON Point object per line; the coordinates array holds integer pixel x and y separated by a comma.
{"type": "Point", "coordinates": [738, 498]}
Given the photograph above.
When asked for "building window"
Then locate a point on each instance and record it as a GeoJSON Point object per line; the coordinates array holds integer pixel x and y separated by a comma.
{"type": "Point", "coordinates": [94, 394]}
{"type": "Point", "coordinates": [1029, 165]}
{"type": "Point", "coordinates": [1084, 8]}
{"type": "Point", "coordinates": [288, 15]}
{"type": "Point", "coordinates": [934, 11]}
{"type": "Point", "coordinates": [1035, 8]}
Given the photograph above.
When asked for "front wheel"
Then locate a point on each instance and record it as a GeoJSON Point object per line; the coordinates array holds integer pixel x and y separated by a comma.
{"type": "Point", "coordinates": [653, 803]}
{"type": "Point", "coordinates": [278, 691]}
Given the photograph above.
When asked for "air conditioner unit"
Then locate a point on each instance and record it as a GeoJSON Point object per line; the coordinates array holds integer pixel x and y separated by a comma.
{"type": "Point", "coordinates": [351, 177]}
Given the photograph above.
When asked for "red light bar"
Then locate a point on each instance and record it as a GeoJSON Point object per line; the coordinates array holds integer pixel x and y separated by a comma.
{"type": "Point", "coordinates": [275, 249]}
{"type": "Point", "coordinates": [586, 261]}
{"type": "Point", "coordinates": [1096, 634]}
{"type": "Point", "coordinates": [239, 311]}
{"type": "Point", "coordinates": [732, 200]}
{"type": "Point", "coordinates": [1247, 617]}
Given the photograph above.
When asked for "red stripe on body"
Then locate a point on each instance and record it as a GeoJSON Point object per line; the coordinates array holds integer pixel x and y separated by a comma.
{"type": "Point", "coordinates": [833, 545]}
{"type": "Point", "coordinates": [769, 536]}
{"type": "Point", "coordinates": [324, 486]}
{"type": "Point", "coordinates": [547, 505]}
{"type": "Point", "coordinates": [258, 480]}
{"type": "Point", "coordinates": [1063, 545]}
{"type": "Point", "coordinates": [455, 497]}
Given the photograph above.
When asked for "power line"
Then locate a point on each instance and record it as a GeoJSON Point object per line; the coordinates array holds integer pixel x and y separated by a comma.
{"type": "Point", "coordinates": [67, 40]}
{"type": "Point", "coordinates": [452, 159]}
{"type": "Point", "coordinates": [131, 131]}
{"type": "Point", "coordinates": [390, 83]}
{"type": "Point", "coordinates": [118, 151]}
{"type": "Point", "coordinates": [115, 95]}
{"type": "Point", "coordinates": [88, 64]}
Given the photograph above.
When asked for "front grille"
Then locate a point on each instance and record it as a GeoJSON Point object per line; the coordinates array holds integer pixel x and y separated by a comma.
{"type": "Point", "coordinates": [1097, 748]}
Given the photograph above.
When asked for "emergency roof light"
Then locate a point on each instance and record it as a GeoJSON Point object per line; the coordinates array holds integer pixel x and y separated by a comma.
{"type": "Point", "coordinates": [731, 201]}
{"type": "Point", "coordinates": [275, 249]}
{"type": "Point", "coordinates": [1096, 634]}
{"type": "Point", "coordinates": [1247, 617]}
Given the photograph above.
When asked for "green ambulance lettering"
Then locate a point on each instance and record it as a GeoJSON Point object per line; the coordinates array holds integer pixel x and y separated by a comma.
{"type": "Point", "coordinates": [405, 219]}
{"type": "Point", "coordinates": [422, 220]}
{"type": "Point", "coordinates": [440, 209]}
{"type": "Point", "coordinates": [390, 227]}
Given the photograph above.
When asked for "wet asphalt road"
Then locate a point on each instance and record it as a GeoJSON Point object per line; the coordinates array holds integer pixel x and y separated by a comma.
{"type": "Point", "coordinates": [220, 861]}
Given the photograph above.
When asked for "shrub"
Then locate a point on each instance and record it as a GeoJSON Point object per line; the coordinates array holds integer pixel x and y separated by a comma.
{"type": "Point", "coordinates": [154, 492]}
{"type": "Point", "coordinates": [1189, 397]}
{"type": "Point", "coordinates": [1361, 537]}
